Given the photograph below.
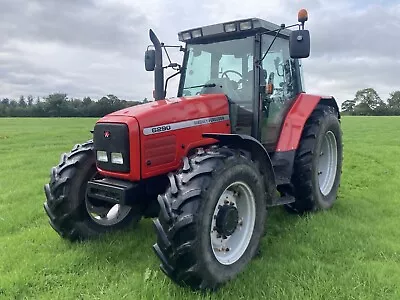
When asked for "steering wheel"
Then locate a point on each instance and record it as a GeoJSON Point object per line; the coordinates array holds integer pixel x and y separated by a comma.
{"type": "Point", "coordinates": [231, 71]}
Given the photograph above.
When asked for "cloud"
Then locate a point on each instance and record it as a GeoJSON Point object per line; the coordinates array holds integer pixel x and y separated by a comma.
{"type": "Point", "coordinates": [95, 47]}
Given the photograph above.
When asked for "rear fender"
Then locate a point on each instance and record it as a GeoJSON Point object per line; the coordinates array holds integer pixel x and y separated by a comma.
{"type": "Point", "coordinates": [297, 117]}
{"type": "Point", "coordinates": [258, 153]}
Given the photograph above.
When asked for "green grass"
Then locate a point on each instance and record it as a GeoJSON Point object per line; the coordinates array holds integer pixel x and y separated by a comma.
{"type": "Point", "coordinates": [349, 252]}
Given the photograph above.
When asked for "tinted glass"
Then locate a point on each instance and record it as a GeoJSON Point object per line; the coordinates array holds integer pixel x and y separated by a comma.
{"type": "Point", "coordinates": [280, 70]}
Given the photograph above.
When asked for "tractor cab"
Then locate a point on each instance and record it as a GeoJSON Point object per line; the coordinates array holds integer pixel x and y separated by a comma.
{"type": "Point", "coordinates": [253, 62]}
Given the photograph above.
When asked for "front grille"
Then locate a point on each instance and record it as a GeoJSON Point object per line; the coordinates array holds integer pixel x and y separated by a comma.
{"type": "Point", "coordinates": [112, 137]}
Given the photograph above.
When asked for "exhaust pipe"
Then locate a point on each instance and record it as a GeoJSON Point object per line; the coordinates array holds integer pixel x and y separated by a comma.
{"type": "Point", "coordinates": [158, 70]}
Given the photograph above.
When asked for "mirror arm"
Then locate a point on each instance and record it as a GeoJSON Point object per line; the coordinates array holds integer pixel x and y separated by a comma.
{"type": "Point", "coordinates": [166, 82]}
{"type": "Point", "coordinates": [282, 27]}
{"type": "Point", "coordinates": [166, 52]}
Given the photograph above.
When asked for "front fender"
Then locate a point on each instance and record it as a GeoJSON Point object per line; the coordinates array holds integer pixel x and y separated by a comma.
{"type": "Point", "coordinates": [258, 153]}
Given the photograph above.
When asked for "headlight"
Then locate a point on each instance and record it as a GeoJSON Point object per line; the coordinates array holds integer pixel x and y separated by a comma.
{"type": "Point", "coordinates": [116, 158]}
{"type": "Point", "coordinates": [102, 156]}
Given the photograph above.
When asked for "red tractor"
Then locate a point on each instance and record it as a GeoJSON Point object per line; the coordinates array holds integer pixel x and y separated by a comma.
{"type": "Point", "coordinates": [241, 136]}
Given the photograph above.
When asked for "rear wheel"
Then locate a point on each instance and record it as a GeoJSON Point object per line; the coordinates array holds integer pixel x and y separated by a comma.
{"type": "Point", "coordinates": [72, 214]}
{"type": "Point", "coordinates": [318, 162]}
{"type": "Point", "coordinates": [211, 219]}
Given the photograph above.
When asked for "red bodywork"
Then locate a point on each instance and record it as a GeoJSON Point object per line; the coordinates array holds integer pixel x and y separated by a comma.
{"type": "Point", "coordinates": [160, 153]}
{"type": "Point", "coordinates": [294, 122]}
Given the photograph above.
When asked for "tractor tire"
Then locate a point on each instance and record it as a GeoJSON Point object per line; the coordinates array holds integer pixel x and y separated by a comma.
{"type": "Point", "coordinates": [72, 215]}
{"type": "Point", "coordinates": [211, 219]}
{"type": "Point", "coordinates": [318, 162]}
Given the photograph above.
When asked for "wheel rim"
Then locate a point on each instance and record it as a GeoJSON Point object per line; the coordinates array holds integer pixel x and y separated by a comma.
{"type": "Point", "coordinates": [103, 213]}
{"type": "Point", "coordinates": [327, 163]}
{"type": "Point", "coordinates": [230, 242]}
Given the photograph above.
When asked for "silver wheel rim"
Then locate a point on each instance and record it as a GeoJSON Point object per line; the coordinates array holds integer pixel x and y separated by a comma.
{"type": "Point", "coordinates": [230, 249]}
{"type": "Point", "coordinates": [107, 216]}
{"type": "Point", "coordinates": [327, 163]}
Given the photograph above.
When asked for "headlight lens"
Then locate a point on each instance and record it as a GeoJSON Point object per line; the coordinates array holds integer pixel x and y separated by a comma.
{"type": "Point", "coordinates": [116, 158]}
{"type": "Point", "coordinates": [102, 156]}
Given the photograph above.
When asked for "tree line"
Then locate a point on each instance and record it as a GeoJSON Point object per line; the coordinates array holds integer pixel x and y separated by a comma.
{"type": "Point", "coordinates": [60, 105]}
{"type": "Point", "coordinates": [367, 102]}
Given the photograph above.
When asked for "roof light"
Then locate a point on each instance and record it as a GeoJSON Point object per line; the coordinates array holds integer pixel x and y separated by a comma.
{"type": "Point", "coordinates": [230, 27]}
{"type": "Point", "coordinates": [302, 15]}
{"type": "Point", "coordinates": [196, 33]}
{"type": "Point", "coordinates": [186, 35]}
{"type": "Point", "coordinates": [246, 25]}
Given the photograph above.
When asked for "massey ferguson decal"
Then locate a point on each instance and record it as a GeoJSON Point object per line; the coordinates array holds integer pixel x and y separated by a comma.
{"type": "Point", "coordinates": [184, 124]}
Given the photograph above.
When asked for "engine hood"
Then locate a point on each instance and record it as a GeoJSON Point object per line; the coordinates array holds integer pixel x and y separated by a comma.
{"type": "Point", "coordinates": [174, 110]}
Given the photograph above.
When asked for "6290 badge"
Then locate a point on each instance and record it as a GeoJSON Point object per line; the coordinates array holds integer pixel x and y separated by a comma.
{"type": "Point", "coordinates": [161, 128]}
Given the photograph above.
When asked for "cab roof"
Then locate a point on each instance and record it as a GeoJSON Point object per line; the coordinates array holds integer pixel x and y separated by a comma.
{"type": "Point", "coordinates": [237, 27]}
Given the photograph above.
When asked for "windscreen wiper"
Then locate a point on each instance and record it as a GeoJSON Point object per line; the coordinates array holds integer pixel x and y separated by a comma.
{"type": "Point", "coordinates": [201, 85]}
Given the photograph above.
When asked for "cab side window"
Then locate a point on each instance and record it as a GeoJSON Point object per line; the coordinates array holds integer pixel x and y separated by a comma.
{"type": "Point", "coordinates": [280, 69]}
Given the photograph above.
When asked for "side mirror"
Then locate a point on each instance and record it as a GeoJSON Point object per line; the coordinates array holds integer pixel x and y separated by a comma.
{"type": "Point", "coordinates": [150, 60]}
{"type": "Point", "coordinates": [299, 44]}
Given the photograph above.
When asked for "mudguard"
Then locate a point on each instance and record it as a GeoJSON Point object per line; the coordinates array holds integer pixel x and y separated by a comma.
{"type": "Point", "coordinates": [258, 153]}
{"type": "Point", "coordinates": [297, 118]}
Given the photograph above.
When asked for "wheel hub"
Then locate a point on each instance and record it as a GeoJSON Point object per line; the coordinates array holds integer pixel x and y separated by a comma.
{"type": "Point", "coordinates": [227, 220]}
{"type": "Point", "coordinates": [233, 223]}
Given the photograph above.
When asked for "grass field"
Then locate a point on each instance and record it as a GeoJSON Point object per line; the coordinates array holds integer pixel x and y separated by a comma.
{"type": "Point", "coordinates": [349, 252]}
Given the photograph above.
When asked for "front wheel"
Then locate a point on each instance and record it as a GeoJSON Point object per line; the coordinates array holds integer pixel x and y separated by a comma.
{"type": "Point", "coordinates": [211, 220]}
{"type": "Point", "coordinates": [71, 213]}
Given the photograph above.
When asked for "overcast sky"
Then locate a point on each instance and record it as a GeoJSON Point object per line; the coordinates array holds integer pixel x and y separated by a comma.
{"type": "Point", "coordinates": [95, 47]}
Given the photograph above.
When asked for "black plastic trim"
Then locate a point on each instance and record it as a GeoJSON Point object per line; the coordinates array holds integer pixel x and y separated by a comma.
{"type": "Point", "coordinates": [283, 166]}
{"type": "Point", "coordinates": [114, 191]}
{"type": "Point", "coordinates": [117, 141]}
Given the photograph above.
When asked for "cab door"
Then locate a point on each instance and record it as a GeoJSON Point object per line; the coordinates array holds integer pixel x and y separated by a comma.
{"type": "Point", "coordinates": [280, 71]}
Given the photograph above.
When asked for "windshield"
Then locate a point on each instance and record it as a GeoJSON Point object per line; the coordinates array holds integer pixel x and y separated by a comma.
{"type": "Point", "coordinates": [225, 63]}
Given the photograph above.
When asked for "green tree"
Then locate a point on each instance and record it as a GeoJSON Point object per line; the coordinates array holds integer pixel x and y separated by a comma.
{"type": "Point", "coordinates": [368, 96]}
{"type": "Point", "coordinates": [55, 104]}
{"type": "Point", "coordinates": [363, 109]}
{"type": "Point", "coordinates": [30, 100]}
{"type": "Point", "coordinates": [348, 106]}
{"type": "Point", "coordinates": [394, 100]}
{"type": "Point", "coordinates": [22, 102]}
